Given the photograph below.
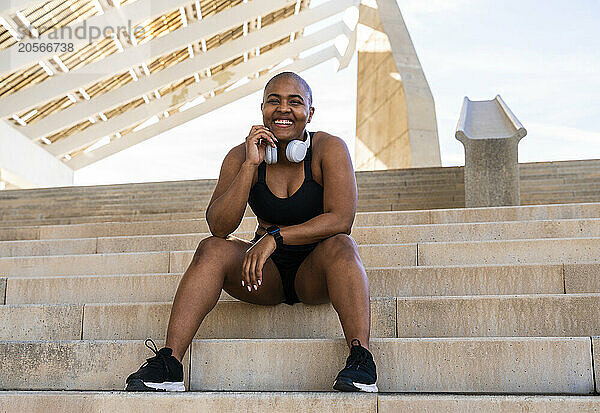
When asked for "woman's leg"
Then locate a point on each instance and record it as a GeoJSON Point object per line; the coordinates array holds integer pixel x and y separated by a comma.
{"type": "Point", "coordinates": [334, 272]}
{"type": "Point", "coordinates": [217, 265]}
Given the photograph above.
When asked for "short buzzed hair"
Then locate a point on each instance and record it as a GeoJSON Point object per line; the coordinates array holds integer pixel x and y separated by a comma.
{"type": "Point", "coordinates": [296, 77]}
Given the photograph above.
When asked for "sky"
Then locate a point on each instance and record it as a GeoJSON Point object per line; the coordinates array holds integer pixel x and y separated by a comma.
{"type": "Point", "coordinates": [543, 58]}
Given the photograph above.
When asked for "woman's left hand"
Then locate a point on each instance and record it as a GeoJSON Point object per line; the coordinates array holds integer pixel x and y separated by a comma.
{"type": "Point", "coordinates": [254, 261]}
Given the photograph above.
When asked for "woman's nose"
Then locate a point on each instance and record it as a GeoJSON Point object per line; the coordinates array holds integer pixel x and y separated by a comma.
{"type": "Point", "coordinates": [283, 107]}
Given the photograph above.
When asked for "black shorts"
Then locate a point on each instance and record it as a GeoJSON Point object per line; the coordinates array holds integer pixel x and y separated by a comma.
{"type": "Point", "coordinates": [287, 259]}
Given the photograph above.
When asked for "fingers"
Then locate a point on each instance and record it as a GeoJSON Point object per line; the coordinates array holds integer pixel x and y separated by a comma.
{"type": "Point", "coordinates": [246, 272]}
{"type": "Point", "coordinates": [256, 272]}
{"type": "Point", "coordinates": [252, 271]}
{"type": "Point", "coordinates": [259, 132]}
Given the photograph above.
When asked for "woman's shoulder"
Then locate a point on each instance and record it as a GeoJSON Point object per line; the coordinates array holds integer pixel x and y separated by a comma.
{"type": "Point", "coordinates": [324, 143]}
{"type": "Point", "coordinates": [234, 158]}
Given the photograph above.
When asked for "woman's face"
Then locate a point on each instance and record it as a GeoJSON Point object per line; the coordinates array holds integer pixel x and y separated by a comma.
{"type": "Point", "coordinates": [286, 108]}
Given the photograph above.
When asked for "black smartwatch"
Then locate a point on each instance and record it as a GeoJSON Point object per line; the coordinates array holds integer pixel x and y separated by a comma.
{"type": "Point", "coordinates": [274, 230]}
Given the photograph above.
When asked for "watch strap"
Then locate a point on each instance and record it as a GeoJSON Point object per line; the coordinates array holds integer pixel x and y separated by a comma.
{"type": "Point", "coordinates": [274, 231]}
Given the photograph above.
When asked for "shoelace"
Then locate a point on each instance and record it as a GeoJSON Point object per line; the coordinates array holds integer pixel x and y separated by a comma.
{"type": "Point", "coordinates": [157, 356]}
{"type": "Point", "coordinates": [356, 355]}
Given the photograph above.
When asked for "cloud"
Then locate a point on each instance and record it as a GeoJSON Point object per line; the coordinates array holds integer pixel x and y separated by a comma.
{"type": "Point", "coordinates": [510, 61]}
{"type": "Point", "coordinates": [572, 136]}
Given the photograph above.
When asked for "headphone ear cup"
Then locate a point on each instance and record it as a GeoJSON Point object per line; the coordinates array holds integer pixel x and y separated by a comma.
{"type": "Point", "coordinates": [271, 155]}
{"type": "Point", "coordinates": [296, 151]}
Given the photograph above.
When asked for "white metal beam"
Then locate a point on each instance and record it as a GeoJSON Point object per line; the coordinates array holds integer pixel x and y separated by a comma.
{"type": "Point", "coordinates": [105, 102]}
{"type": "Point", "coordinates": [166, 102]}
{"type": "Point", "coordinates": [12, 6]}
{"type": "Point", "coordinates": [351, 34]}
{"type": "Point", "coordinates": [138, 11]}
{"type": "Point", "coordinates": [26, 164]}
{"type": "Point", "coordinates": [62, 84]}
{"type": "Point", "coordinates": [179, 118]}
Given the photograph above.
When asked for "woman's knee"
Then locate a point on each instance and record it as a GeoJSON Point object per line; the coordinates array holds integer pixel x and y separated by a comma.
{"type": "Point", "coordinates": [340, 248]}
{"type": "Point", "coordinates": [211, 248]}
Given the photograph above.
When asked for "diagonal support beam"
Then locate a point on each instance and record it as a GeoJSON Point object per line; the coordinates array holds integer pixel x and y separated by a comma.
{"type": "Point", "coordinates": [11, 60]}
{"type": "Point", "coordinates": [105, 102]}
{"type": "Point", "coordinates": [27, 165]}
{"type": "Point", "coordinates": [351, 34]}
{"type": "Point", "coordinates": [179, 118]}
{"type": "Point", "coordinates": [142, 113]}
{"type": "Point", "coordinates": [62, 84]}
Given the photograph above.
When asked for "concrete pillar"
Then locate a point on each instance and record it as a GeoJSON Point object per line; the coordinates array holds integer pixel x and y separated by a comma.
{"type": "Point", "coordinates": [490, 134]}
{"type": "Point", "coordinates": [395, 121]}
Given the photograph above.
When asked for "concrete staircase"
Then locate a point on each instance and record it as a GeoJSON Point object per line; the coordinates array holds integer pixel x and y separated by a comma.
{"type": "Point", "coordinates": [482, 309]}
{"type": "Point", "coordinates": [405, 189]}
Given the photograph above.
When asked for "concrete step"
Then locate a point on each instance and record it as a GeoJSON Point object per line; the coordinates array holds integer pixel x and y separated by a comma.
{"type": "Point", "coordinates": [166, 224]}
{"type": "Point", "coordinates": [185, 211]}
{"type": "Point", "coordinates": [285, 402]}
{"type": "Point", "coordinates": [103, 218]}
{"type": "Point", "coordinates": [535, 251]}
{"type": "Point", "coordinates": [175, 261]}
{"type": "Point", "coordinates": [377, 203]}
{"type": "Point", "coordinates": [396, 203]}
{"type": "Point", "coordinates": [533, 315]}
{"type": "Point", "coordinates": [229, 319]}
{"type": "Point", "coordinates": [559, 194]}
{"type": "Point", "coordinates": [574, 199]}
{"type": "Point", "coordinates": [205, 402]}
{"type": "Point", "coordinates": [504, 365]}
{"type": "Point", "coordinates": [396, 196]}
{"type": "Point", "coordinates": [537, 181]}
{"type": "Point", "coordinates": [550, 250]}
{"type": "Point", "coordinates": [393, 281]}
{"type": "Point", "coordinates": [575, 228]}
{"type": "Point", "coordinates": [100, 211]}
{"type": "Point", "coordinates": [68, 199]}
{"type": "Point", "coordinates": [366, 179]}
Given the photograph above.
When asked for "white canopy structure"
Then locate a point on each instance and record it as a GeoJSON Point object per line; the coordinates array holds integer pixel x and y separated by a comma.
{"type": "Point", "coordinates": [81, 80]}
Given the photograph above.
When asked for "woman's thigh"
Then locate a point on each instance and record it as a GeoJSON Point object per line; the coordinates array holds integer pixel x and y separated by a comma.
{"type": "Point", "coordinates": [311, 280]}
{"type": "Point", "coordinates": [269, 293]}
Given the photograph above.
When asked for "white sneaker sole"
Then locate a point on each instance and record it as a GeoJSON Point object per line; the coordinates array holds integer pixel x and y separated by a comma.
{"type": "Point", "coordinates": [167, 385]}
{"type": "Point", "coordinates": [369, 388]}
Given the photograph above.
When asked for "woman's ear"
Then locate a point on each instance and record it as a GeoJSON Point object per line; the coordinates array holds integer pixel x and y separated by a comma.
{"type": "Point", "coordinates": [310, 114]}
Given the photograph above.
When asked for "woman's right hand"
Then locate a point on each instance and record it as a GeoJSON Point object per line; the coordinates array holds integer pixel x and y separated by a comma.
{"type": "Point", "coordinates": [256, 143]}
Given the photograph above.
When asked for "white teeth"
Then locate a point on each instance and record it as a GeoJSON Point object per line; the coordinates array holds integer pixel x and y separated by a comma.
{"type": "Point", "coordinates": [284, 122]}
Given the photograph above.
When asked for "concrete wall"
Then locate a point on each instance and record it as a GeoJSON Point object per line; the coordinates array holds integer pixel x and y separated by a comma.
{"type": "Point", "coordinates": [396, 125]}
{"type": "Point", "coordinates": [23, 164]}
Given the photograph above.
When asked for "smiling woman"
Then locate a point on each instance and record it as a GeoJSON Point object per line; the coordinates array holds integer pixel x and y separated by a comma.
{"type": "Point", "coordinates": [302, 250]}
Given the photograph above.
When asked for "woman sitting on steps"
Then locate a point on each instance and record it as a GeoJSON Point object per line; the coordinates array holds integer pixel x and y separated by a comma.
{"type": "Point", "coordinates": [304, 197]}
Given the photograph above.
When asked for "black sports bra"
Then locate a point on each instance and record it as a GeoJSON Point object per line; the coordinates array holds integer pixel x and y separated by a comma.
{"type": "Point", "coordinates": [302, 205]}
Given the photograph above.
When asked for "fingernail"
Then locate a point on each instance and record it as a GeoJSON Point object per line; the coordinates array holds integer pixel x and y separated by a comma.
{"type": "Point", "coordinates": [249, 289]}
{"type": "Point", "coordinates": [255, 287]}
{"type": "Point", "coordinates": [259, 282]}
{"type": "Point", "coordinates": [243, 283]}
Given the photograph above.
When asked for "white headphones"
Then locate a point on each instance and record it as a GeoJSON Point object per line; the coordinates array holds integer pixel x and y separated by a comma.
{"type": "Point", "coordinates": [295, 151]}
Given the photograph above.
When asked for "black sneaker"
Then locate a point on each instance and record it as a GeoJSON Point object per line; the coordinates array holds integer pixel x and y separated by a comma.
{"type": "Point", "coordinates": [163, 372]}
{"type": "Point", "coordinates": [360, 373]}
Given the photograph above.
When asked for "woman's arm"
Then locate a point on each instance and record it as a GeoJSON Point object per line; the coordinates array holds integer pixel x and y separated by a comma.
{"type": "Point", "coordinates": [228, 202]}
{"type": "Point", "coordinates": [340, 196]}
